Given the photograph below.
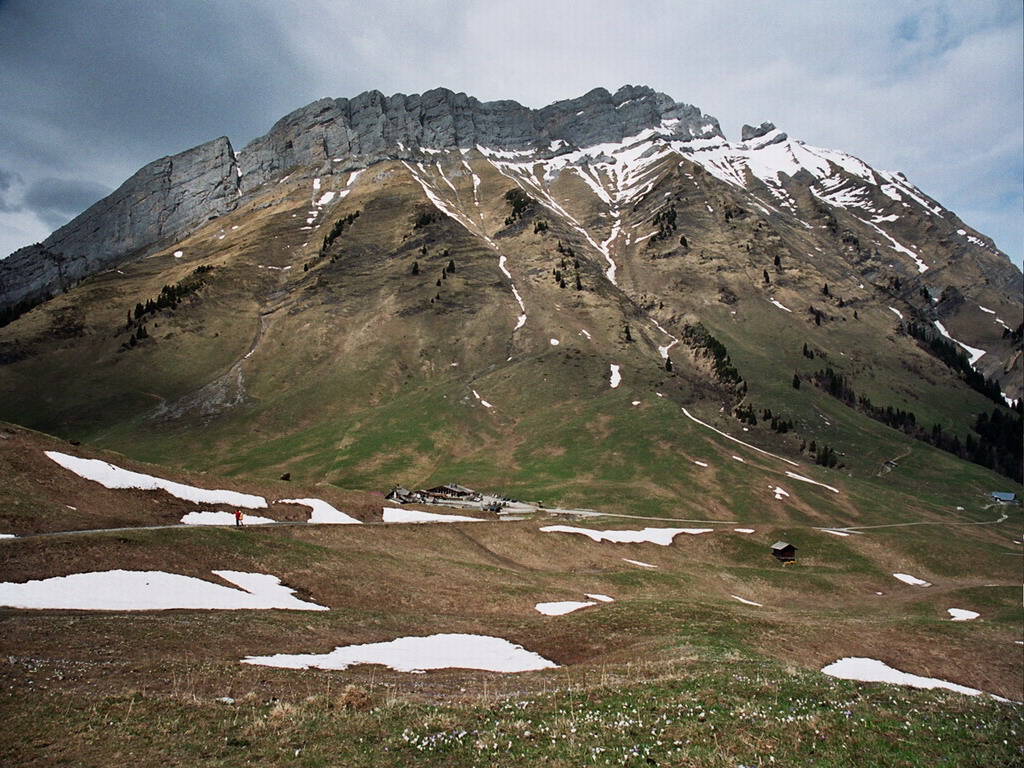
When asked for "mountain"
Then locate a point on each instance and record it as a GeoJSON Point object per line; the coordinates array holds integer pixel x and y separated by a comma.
{"type": "Point", "coordinates": [674, 350]}
{"type": "Point", "coordinates": [423, 288]}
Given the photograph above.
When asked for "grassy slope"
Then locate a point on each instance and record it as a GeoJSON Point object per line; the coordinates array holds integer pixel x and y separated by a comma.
{"type": "Point", "coordinates": [96, 687]}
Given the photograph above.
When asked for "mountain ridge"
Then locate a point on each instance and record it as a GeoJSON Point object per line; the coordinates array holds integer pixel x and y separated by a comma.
{"type": "Point", "coordinates": [353, 132]}
{"type": "Point", "coordinates": [437, 289]}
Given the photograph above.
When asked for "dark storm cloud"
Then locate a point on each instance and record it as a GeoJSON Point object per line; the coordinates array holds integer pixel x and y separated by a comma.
{"type": "Point", "coordinates": [57, 201]}
{"type": "Point", "coordinates": [139, 76]}
{"type": "Point", "coordinates": [94, 91]}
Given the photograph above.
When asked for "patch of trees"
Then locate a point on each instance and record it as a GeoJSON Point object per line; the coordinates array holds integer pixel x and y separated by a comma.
{"type": "Point", "coordinates": [426, 217]}
{"type": "Point", "coordinates": [9, 314]}
{"type": "Point", "coordinates": [704, 344]}
{"type": "Point", "coordinates": [170, 295]}
{"type": "Point", "coordinates": [337, 229]}
{"type": "Point", "coordinates": [665, 221]}
{"type": "Point", "coordinates": [733, 211]}
{"type": "Point", "coordinates": [138, 335]}
{"type": "Point", "coordinates": [825, 456]}
{"type": "Point", "coordinates": [745, 413]}
{"type": "Point", "coordinates": [997, 444]}
{"type": "Point", "coordinates": [521, 204]}
{"type": "Point", "coordinates": [540, 226]}
{"type": "Point", "coordinates": [811, 353]}
{"type": "Point", "coordinates": [568, 260]}
{"type": "Point", "coordinates": [778, 423]}
{"type": "Point", "coordinates": [1001, 443]}
{"type": "Point", "coordinates": [956, 360]}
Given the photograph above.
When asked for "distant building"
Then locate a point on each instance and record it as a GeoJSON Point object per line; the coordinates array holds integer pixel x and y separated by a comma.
{"type": "Point", "coordinates": [451, 492]}
{"type": "Point", "coordinates": [1003, 498]}
{"type": "Point", "coordinates": [403, 496]}
{"type": "Point", "coordinates": [784, 551]}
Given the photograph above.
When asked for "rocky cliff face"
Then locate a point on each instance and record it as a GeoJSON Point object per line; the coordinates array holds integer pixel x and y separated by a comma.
{"type": "Point", "coordinates": [372, 127]}
{"type": "Point", "coordinates": [171, 196]}
{"type": "Point", "coordinates": [159, 203]}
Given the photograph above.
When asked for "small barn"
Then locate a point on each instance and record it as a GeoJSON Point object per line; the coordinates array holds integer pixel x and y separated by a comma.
{"type": "Point", "coordinates": [1003, 498]}
{"type": "Point", "coordinates": [784, 551]}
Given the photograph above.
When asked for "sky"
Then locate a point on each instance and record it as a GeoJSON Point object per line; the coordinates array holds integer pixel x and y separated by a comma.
{"type": "Point", "coordinates": [91, 91]}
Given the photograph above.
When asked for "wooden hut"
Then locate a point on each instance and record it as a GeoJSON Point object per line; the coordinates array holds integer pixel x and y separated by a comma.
{"type": "Point", "coordinates": [784, 551]}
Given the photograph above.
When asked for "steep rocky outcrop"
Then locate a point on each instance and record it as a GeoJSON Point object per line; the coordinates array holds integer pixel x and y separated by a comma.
{"type": "Point", "coordinates": [160, 202]}
{"type": "Point", "coordinates": [373, 127]}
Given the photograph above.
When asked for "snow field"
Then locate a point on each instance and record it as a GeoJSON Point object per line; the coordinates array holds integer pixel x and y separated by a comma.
{"type": "Point", "coordinates": [482, 402]}
{"type": "Point", "coordinates": [121, 590]}
{"type": "Point", "coordinates": [562, 608]}
{"type": "Point", "coordinates": [745, 601]}
{"type": "Point", "coordinates": [906, 578]}
{"type": "Point", "coordinates": [222, 518]}
{"type": "Point", "coordinates": [661, 536]}
{"type": "Point", "coordinates": [803, 479]}
{"type": "Point", "coordinates": [961, 614]}
{"type": "Point", "coordinates": [393, 515]}
{"type": "Point", "coordinates": [873, 671]}
{"type": "Point", "coordinates": [418, 654]}
{"type": "Point", "coordinates": [113, 477]}
{"type": "Point", "coordinates": [323, 512]}
{"type": "Point", "coordinates": [616, 377]}
{"type": "Point", "coordinates": [973, 352]}
{"type": "Point", "coordinates": [568, 606]}
{"type": "Point", "coordinates": [637, 562]}
{"type": "Point", "coordinates": [691, 417]}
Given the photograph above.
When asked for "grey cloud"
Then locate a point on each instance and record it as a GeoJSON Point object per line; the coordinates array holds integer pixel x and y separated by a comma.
{"type": "Point", "coordinates": [94, 91]}
{"type": "Point", "coordinates": [57, 201]}
{"type": "Point", "coordinates": [8, 180]}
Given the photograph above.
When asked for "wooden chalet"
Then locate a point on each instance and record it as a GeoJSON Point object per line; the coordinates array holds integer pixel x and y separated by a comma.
{"type": "Point", "coordinates": [784, 551]}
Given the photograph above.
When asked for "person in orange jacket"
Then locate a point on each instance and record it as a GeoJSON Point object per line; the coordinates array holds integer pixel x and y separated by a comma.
{"type": "Point", "coordinates": [238, 518]}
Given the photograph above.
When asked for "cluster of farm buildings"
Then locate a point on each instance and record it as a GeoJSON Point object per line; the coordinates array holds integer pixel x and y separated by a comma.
{"type": "Point", "coordinates": [437, 495]}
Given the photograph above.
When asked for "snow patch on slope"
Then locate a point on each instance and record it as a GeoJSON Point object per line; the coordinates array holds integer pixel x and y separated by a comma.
{"type": "Point", "coordinates": [120, 590]}
{"type": "Point", "coordinates": [418, 654]}
{"type": "Point", "coordinates": [114, 477]}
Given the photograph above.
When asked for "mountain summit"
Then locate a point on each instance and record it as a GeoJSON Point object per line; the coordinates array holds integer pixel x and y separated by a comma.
{"type": "Point", "coordinates": [389, 289]}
